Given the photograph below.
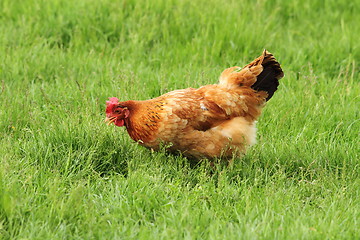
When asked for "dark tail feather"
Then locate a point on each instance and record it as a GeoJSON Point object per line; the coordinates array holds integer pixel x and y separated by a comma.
{"type": "Point", "coordinates": [268, 79]}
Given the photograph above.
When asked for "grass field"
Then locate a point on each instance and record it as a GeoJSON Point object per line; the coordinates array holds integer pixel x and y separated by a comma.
{"type": "Point", "coordinates": [64, 174]}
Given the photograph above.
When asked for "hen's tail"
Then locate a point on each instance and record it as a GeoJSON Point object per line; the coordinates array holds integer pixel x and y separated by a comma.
{"type": "Point", "coordinates": [262, 74]}
{"type": "Point", "coordinates": [268, 79]}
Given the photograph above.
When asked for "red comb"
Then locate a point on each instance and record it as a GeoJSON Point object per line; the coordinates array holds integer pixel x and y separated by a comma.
{"type": "Point", "coordinates": [112, 100]}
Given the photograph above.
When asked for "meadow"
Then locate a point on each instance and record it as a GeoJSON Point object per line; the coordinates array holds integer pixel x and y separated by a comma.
{"type": "Point", "coordinates": [64, 174]}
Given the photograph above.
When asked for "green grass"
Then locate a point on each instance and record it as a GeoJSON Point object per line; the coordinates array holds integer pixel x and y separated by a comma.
{"type": "Point", "coordinates": [66, 175]}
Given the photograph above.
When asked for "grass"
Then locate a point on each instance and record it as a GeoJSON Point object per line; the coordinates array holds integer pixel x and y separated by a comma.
{"type": "Point", "coordinates": [66, 175]}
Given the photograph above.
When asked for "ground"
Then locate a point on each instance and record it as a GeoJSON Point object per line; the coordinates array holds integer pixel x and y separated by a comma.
{"type": "Point", "coordinates": [64, 174]}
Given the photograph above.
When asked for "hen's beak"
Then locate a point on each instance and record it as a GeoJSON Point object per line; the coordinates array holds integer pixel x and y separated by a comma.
{"type": "Point", "coordinates": [110, 120]}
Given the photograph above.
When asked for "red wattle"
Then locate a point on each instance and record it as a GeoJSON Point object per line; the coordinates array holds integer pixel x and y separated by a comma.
{"type": "Point", "coordinates": [119, 122]}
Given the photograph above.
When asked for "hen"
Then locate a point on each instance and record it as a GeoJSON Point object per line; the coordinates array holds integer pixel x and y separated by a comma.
{"type": "Point", "coordinates": [211, 121]}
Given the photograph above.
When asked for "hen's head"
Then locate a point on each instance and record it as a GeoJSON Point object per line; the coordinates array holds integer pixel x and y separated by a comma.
{"type": "Point", "coordinates": [115, 112]}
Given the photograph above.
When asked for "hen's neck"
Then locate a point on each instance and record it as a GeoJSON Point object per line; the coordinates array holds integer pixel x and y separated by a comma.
{"type": "Point", "coordinates": [139, 124]}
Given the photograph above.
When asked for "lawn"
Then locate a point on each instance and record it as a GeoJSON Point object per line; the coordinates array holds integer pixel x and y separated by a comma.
{"type": "Point", "coordinates": [64, 174]}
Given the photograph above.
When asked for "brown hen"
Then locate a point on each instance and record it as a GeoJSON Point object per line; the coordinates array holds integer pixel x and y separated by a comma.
{"type": "Point", "coordinates": [211, 121]}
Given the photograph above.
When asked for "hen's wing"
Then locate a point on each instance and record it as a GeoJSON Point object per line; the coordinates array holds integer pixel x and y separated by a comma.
{"type": "Point", "coordinates": [211, 105]}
